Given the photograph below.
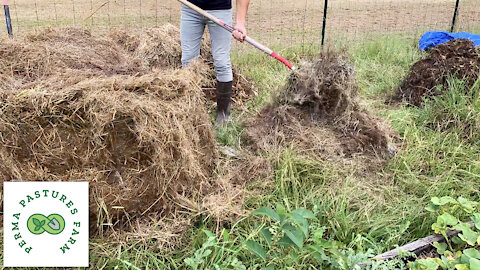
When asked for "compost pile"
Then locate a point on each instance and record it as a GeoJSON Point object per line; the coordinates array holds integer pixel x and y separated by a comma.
{"type": "Point", "coordinates": [319, 109]}
{"type": "Point", "coordinates": [428, 77]}
{"type": "Point", "coordinates": [75, 107]}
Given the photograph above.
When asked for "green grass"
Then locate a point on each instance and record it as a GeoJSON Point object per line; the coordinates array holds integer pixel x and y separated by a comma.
{"type": "Point", "coordinates": [382, 63]}
{"type": "Point", "coordinates": [439, 156]}
{"type": "Point", "coordinates": [382, 214]}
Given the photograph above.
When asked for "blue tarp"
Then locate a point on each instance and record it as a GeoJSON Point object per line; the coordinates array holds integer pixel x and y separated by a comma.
{"type": "Point", "coordinates": [434, 38]}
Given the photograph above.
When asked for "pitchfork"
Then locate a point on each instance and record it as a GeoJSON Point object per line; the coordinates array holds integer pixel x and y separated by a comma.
{"type": "Point", "coordinates": [230, 29]}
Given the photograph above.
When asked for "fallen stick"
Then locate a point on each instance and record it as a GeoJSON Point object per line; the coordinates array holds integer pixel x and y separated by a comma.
{"type": "Point", "coordinates": [416, 247]}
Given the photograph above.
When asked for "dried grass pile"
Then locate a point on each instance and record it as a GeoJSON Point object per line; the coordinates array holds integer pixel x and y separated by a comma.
{"type": "Point", "coordinates": [319, 109]}
{"type": "Point", "coordinates": [50, 55]}
{"type": "Point", "coordinates": [160, 48]}
{"type": "Point", "coordinates": [140, 141]}
{"type": "Point", "coordinates": [428, 77]}
{"type": "Point", "coordinates": [75, 107]}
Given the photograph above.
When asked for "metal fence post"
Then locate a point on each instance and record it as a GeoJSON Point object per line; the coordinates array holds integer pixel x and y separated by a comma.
{"type": "Point", "coordinates": [455, 16]}
{"type": "Point", "coordinates": [7, 18]}
{"type": "Point", "coordinates": [325, 9]}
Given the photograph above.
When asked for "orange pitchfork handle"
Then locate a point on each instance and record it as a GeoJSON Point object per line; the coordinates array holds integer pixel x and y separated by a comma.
{"type": "Point", "coordinates": [230, 29]}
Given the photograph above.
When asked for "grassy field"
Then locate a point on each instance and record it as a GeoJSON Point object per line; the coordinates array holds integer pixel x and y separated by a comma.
{"type": "Point", "coordinates": [366, 214]}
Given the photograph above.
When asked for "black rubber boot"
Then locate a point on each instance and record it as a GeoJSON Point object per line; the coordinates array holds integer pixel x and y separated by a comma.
{"type": "Point", "coordinates": [224, 95]}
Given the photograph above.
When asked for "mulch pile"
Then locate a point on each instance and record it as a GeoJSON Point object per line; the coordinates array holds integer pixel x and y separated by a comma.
{"type": "Point", "coordinates": [428, 77]}
{"type": "Point", "coordinates": [115, 111]}
{"type": "Point", "coordinates": [319, 109]}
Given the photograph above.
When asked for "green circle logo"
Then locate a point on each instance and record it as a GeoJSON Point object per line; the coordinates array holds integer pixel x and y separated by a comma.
{"type": "Point", "coordinates": [53, 224]}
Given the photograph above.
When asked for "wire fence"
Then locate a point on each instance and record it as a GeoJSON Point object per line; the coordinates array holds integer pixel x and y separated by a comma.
{"type": "Point", "coordinates": [276, 22]}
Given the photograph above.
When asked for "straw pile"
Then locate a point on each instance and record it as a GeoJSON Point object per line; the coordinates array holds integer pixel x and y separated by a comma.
{"type": "Point", "coordinates": [75, 107]}
{"type": "Point", "coordinates": [157, 48]}
{"type": "Point", "coordinates": [161, 49]}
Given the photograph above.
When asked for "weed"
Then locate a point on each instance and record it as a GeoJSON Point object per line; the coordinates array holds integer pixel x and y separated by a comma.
{"type": "Point", "coordinates": [461, 252]}
{"type": "Point", "coordinates": [382, 62]}
{"type": "Point", "coordinates": [456, 111]}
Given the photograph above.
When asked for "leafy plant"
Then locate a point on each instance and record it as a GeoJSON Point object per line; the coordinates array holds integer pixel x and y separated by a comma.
{"type": "Point", "coordinates": [288, 239]}
{"type": "Point", "coordinates": [293, 227]}
{"type": "Point", "coordinates": [210, 255]}
{"type": "Point", "coordinates": [461, 252]}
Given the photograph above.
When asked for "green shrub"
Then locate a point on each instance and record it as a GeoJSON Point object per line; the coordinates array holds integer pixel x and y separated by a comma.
{"type": "Point", "coordinates": [462, 251]}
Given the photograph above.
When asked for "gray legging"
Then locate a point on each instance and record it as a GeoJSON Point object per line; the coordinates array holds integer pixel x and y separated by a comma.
{"type": "Point", "coordinates": [192, 27]}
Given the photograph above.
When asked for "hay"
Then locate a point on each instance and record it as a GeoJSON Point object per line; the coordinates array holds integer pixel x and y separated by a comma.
{"type": "Point", "coordinates": [244, 90]}
{"type": "Point", "coordinates": [160, 48]}
{"type": "Point", "coordinates": [53, 53]}
{"type": "Point", "coordinates": [428, 77]}
{"type": "Point", "coordinates": [138, 140]}
{"type": "Point", "coordinates": [116, 112]}
{"type": "Point", "coordinates": [327, 87]}
{"type": "Point", "coordinates": [319, 110]}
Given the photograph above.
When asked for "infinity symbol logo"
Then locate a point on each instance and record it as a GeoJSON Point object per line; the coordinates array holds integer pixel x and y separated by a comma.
{"type": "Point", "coordinates": [53, 224]}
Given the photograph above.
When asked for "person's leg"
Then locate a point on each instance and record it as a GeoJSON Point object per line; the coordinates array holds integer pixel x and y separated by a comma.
{"type": "Point", "coordinates": [221, 41]}
{"type": "Point", "coordinates": [192, 27]}
{"type": "Point", "coordinates": [221, 45]}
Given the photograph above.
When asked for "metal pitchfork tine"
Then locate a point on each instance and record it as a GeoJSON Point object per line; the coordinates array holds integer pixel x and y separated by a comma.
{"type": "Point", "coordinates": [230, 29]}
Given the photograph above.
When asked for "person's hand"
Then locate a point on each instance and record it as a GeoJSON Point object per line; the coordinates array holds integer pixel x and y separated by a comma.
{"type": "Point", "coordinates": [240, 32]}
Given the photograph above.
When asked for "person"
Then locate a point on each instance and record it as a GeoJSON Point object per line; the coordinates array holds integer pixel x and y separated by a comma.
{"type": "Point", "coordinates": [192, 27]}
